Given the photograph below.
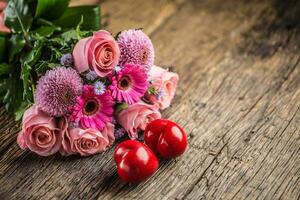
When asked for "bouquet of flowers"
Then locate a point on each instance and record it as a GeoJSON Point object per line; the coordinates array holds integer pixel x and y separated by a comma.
{"type": "Point", "coordinates": [77, 87]}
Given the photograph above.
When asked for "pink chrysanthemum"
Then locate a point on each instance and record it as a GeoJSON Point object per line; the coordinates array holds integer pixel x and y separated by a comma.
{"type": "Point", "coordinates": [57, 91]}
{"type": "Point", "coordinates": [92, 110]}
{"type": "Point", "coordinates": [136, 47]}
{"type": "Point", "coordinates": [129, 84]}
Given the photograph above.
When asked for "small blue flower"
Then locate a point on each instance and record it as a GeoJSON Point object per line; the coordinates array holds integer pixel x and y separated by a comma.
{"type": "Point", "coordinates": [99, 88]}
{"type": "Point", "coordinates": [160, 94]}
{"type": "Point", "coordinates": [117, 68]}
{"type": "Point", "coordinates": [66, 60]}
{"type": "Point", "coordinates": [73, 125]}
{"type": "Point", "coordinates": [119, 133]}
{"type": "Point", "coordinates": [91, 75]}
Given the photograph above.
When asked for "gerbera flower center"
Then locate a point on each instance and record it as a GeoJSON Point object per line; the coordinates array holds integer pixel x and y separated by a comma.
{"type": "Point", "coordinates": [91, 107]}
{"type": "Point", "coordinates": [124, 83]}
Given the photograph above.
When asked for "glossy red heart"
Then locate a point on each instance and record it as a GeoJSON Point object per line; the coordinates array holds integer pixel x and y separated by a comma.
{"type": "Point", "coordinates": [165, 138]}
{"type": "Point", "coordinates": [135, 161]}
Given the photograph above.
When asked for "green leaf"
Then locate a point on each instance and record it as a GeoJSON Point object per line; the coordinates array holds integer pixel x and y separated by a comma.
{"type": "Point", "coordinates": [42, 66]}
{"type": "Point", "coordinates": [16, 44]}
{"type": "Point", "coordinates": [46, 31]}
{"type": "Point", "coordinates": [25, 75]}
{"type": "Point", "coordinates": [27, 61]}
{"type": "Point", "coordinates": [78, 28]}
{"type": "Point", "coordinates": [72, 17]}
{"type": "Point", "coordinates": [18, 16]}
{"type": "Point", "coordinates": [51, 9]}
{"type": "Point", "coordinates": [69, 35]}
{"type": "Point", "coordinates": [5, 69]}
{"type": "Point", "coordinates": [118, 34]}
{"type": "Point", "coordinates": [20, 111]}
{"type": "Point", "coordinates": [12, 88]}
{"type": "Point", "coordinates": [31, 57]}
{"type": "Point", "coordinates": [2, 47]}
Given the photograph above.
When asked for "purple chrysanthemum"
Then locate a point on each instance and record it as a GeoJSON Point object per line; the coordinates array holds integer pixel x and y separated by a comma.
{"type": "Point", "coordinates": [57, 91]}
{"type": "Point", "coordinates": [136, 47]}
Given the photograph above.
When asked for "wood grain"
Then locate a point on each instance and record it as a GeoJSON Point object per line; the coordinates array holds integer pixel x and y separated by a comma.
{"type": "Point", "coordinates": [238, 100]}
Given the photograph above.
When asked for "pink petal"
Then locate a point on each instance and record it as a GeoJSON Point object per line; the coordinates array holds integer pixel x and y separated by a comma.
{"type": "Point", "coordinates": [80, 57]}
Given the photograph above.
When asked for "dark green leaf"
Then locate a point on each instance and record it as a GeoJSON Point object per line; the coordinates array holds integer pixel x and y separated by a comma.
{"type": "Point", "coordinates": [118, 34]}
{"type": "Point", "coordinates": [72, 17]}
{"type": "Point", "coordinates": [31, 57]}
{"type": "Point", "coordinates": [5, 69]}
{"type": "Point", "coordinates": [46, 31]}
{"type": "Point", "coordinates": [20, 111]}
{"type": "Point", "coordinates": [18, 16]}
{"type": "Point", "coordinates": [42, 66]}
{"type": "Point", "coordinates": [27, 83]}
{"type": "Point", "coordinates": [2, 47]}
{"type": "Point", "coordinates": [43, 22]}
{"type": "Point", "coordinates": [12, 89]}
{"type": "Point", "coordinates": [16, 44]}
{"type": "Point", "coordinates": [28, 60]}
{"type": "Point", "coordinates": [4, 33]}
{"type": "Point", "coordinates": [51, 9]}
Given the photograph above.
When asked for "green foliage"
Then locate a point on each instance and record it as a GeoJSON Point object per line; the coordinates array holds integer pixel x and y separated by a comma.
{"type": "Point", "coordinates": [12, 90]}
{"type": "Point", "coordinates": [51, 9]}
{"type": "Point", "coordinates": [45, 31]}
{"type": "Point", "coordinates": [17, 16]}
{"type": "Point", "coordinates": [72, 16]}
{"type": "Point", "coordinates": [16, 44]}
{"type": "Point", "coordinates": [2, 47]}
{"type": "Point", "coordinates": [38, 40]}
{"type": "Point", "coordinates": [151, 90]}
{"type": "Point", "coordinates": [5, 69]}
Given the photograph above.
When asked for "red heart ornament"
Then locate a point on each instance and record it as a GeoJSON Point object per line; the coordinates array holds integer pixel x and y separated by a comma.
{"type": "Point", "coordinates": [135, 161]}
{"type": "Point", "coordinates": [165, 138]}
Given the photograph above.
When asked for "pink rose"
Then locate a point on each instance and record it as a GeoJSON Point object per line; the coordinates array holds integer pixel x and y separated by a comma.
{"type": "Point", "coordinates": [3, 28]}
{"type": "Point", "coordinates": [85, 141]}
{"type": "Point", "coordinates": [39, 133]}
{"type": "Point", "coordinates": [99, 52]}
{"type": "Point", "coordinates": [136, 117]}
{"type": "Point", "coordinates": [164, 83]}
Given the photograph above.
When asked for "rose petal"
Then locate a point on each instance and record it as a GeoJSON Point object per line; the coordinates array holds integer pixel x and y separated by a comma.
{"type": "Point", "coordinates": [133, 118]}
{"type": "Point", "coordinates": [21, 141]}
{"type": "Point", "coordinates": [80, 55]}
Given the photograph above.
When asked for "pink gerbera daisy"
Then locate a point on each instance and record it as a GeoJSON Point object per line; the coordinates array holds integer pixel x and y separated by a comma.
{"type": "Point", "coordinates": [129, 84]}
{"type": "Point", "coordinates": [92, 110]}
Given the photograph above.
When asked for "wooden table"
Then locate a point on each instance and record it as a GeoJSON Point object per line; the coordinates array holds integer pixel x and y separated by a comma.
{"type": "Point", "coordinates": [238, 100]}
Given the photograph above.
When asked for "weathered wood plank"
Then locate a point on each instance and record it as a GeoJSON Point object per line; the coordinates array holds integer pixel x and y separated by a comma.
{"type": "Point", "coordinates": [238, 100]}
{"type": "Point", "coordinates": [85, 2]}
{"type": "Point", "coordinates": [148, 15]}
